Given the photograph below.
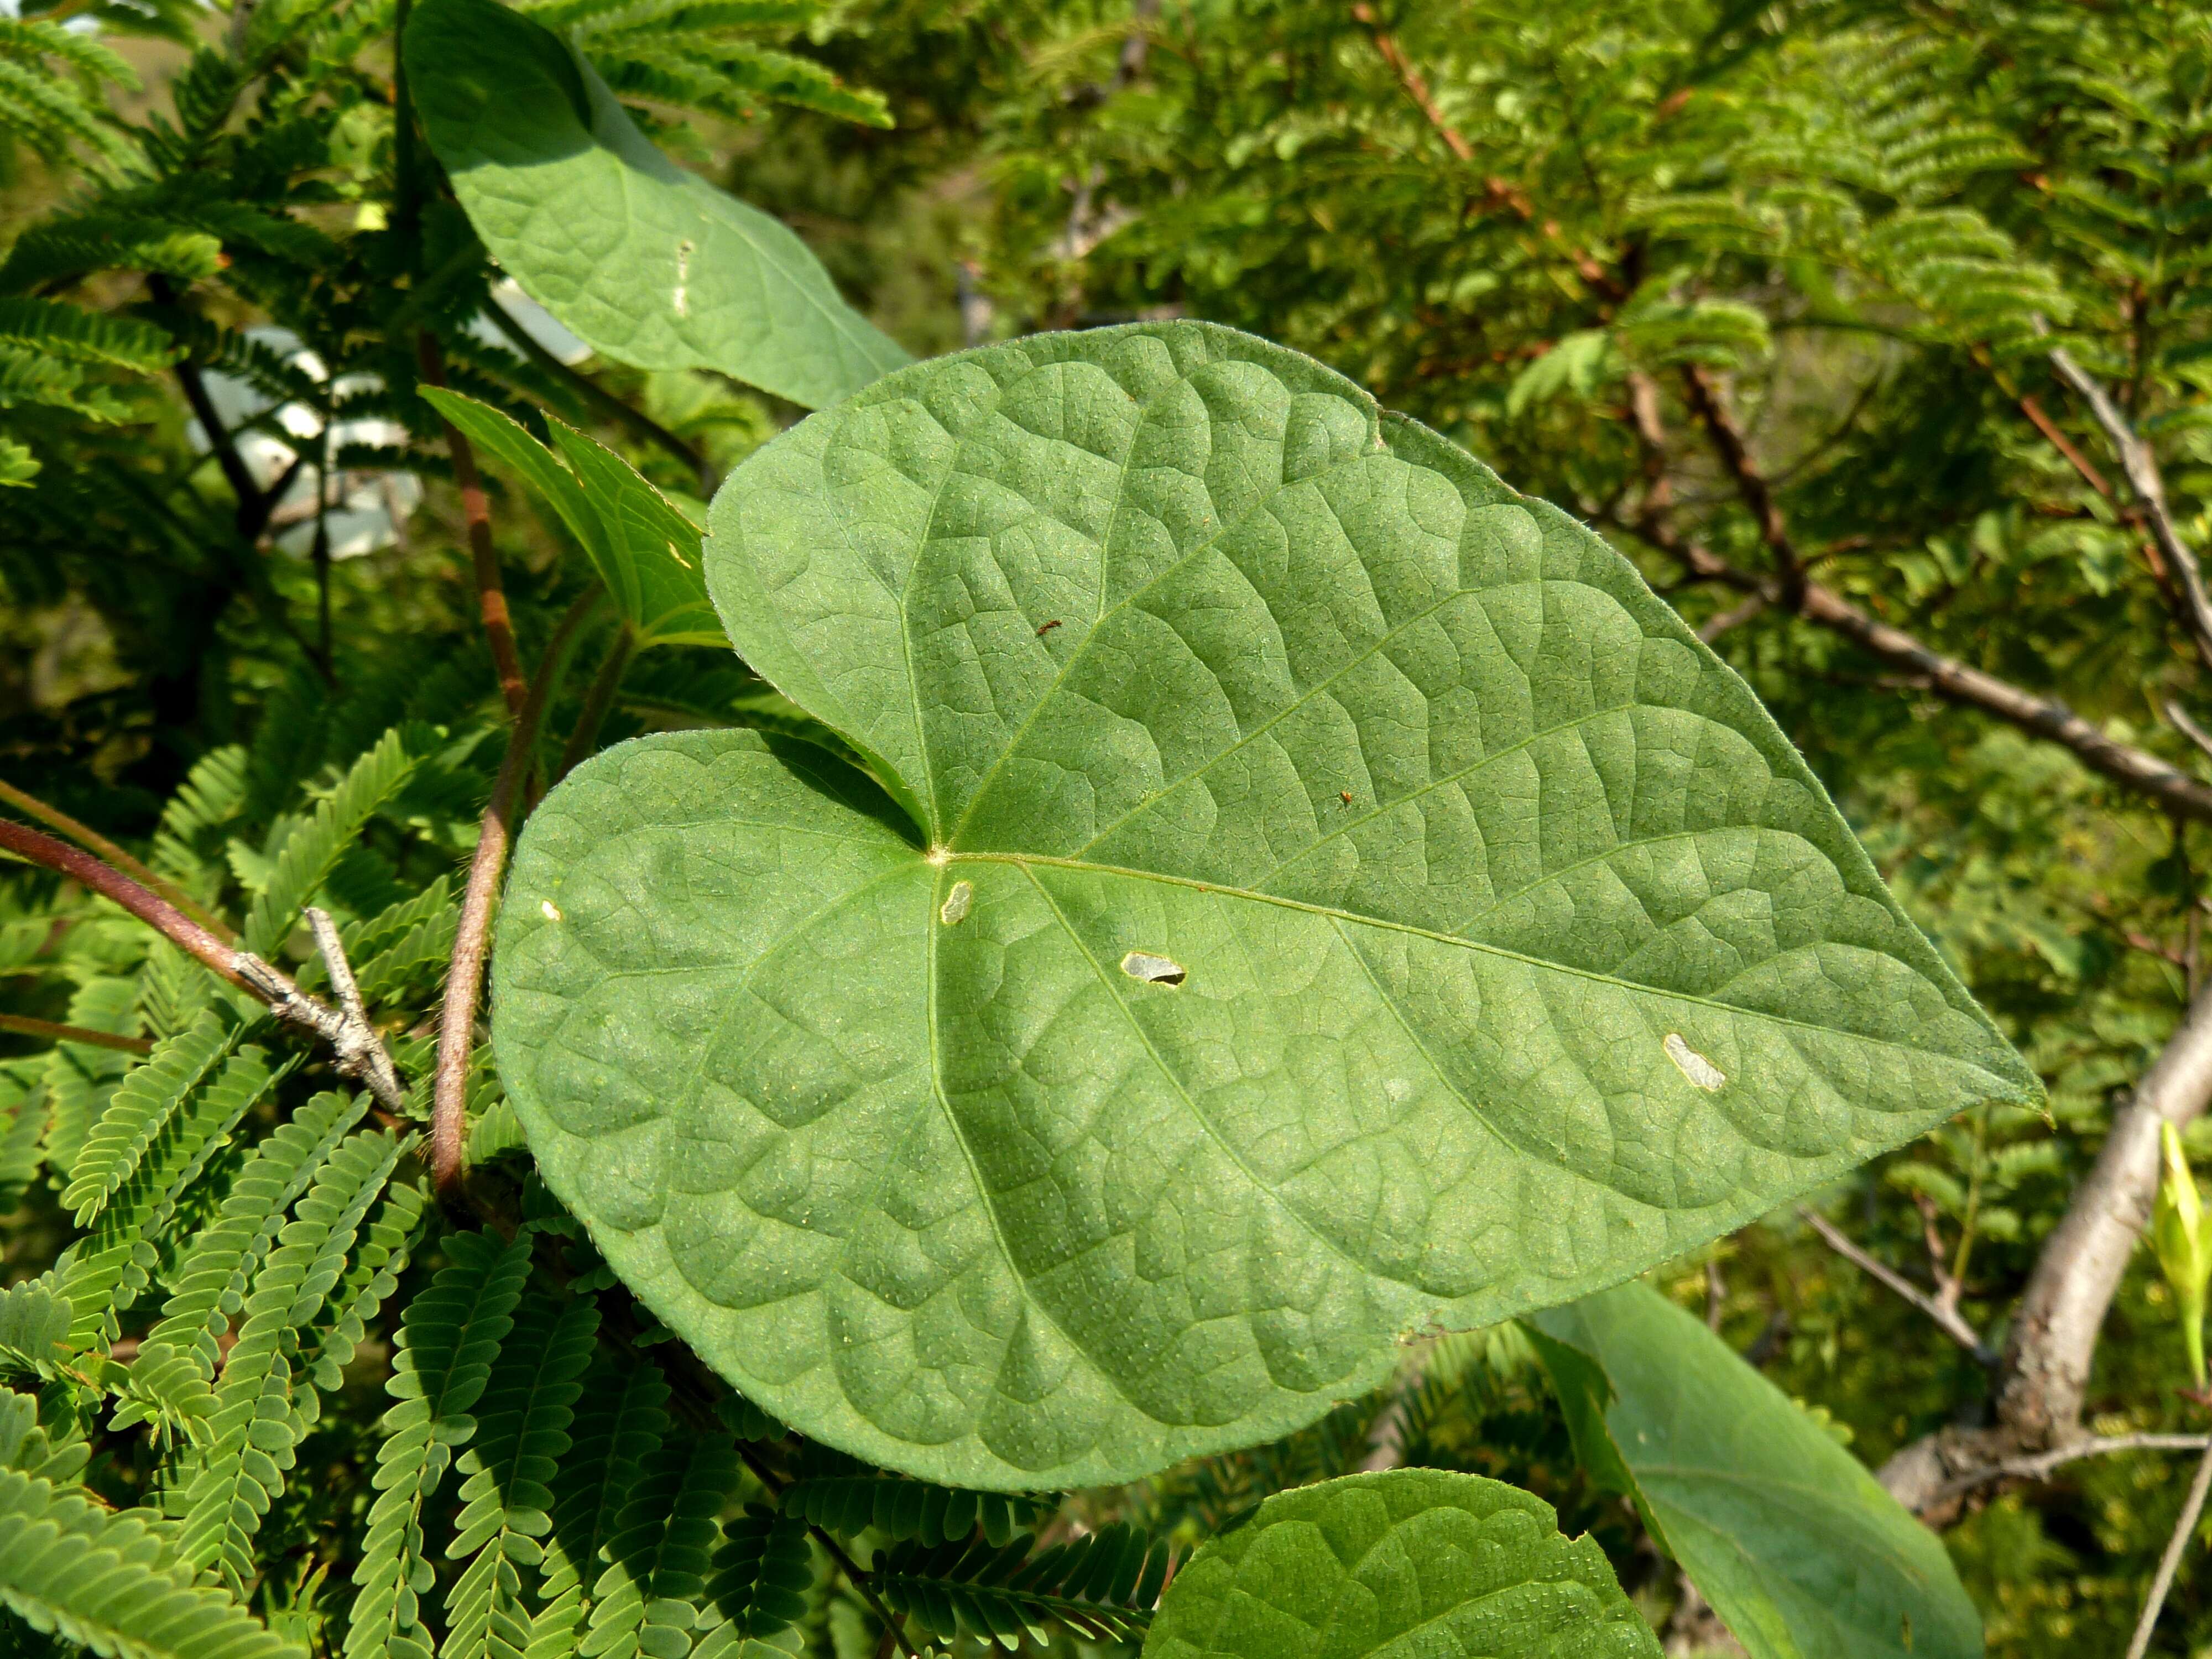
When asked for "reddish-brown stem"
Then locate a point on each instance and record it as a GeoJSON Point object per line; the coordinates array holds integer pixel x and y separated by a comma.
{"type": "Point", "coordinates": [138, 899]}
{"type": "Point", "coordinates": [475, 509]}
{"type": "Point", "coordinates": [464, 976]}
{"type": "Point", "coordinates": [24, 1025]}
{"type": "Point", "coordinates": [2064, 445]}
{"type": "Point", "coordinates": [361, 1051]}
{"type": "Point", "coordinates": [53, 817]}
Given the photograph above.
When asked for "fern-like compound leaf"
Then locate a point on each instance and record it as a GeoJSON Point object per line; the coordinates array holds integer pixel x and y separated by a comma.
{"type": "Point", "coordinates": [648, 1598]}
{"type": "Point", "coordinates": [103, 1273]}
{"type": "Point", "coordinates": [151, 1094]}
{"type": "Point", "coordinates": [618, 1427]}
{"type": "Point", "coordinates": [69, 1568]}
{"type": "Point", "coordinates": [1102, 1586]}
{"type": "Point", "coordinates": [448, 1338]}
{"type": "Point", "coordinates": [507, 1493]}
{"type": "Point", "coordinates": [256, 1422]}
{"type": "Point", "coordinates": [845, 1496]}
{"type": "Point", "coordinates": [309, 853]}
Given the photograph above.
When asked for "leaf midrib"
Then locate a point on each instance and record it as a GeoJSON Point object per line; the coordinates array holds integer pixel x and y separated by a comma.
{"type": "Point", "coordinates": [1735, 1010]}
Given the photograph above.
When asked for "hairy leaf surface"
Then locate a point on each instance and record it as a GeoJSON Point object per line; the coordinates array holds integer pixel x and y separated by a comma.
{"type": "Point", "coordinates": [1798, 1548]}
{"type": "Point", "coordinates": [1314, 894]}
{"type": "Point", "coordinates": [1407, 1561]}
{"type": "Point", "coordinates": [644, 262]}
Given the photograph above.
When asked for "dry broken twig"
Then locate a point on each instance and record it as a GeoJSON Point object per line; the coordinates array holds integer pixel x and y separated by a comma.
{"type": "Point", "coordinates": [360, 1050]}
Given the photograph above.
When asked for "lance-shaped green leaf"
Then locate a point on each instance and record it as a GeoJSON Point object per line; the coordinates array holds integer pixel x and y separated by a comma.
{"type": "Point", "coordinates": [1319, 895]}
{"type": "Point", "coordinates": [1799, 1549]}
{"type": "Point", "coordinates": [1404, 1562]}
{"type": "Point", "coordinates": [645, 550]}
{"type": "Point", "coordinates": [646, 264]}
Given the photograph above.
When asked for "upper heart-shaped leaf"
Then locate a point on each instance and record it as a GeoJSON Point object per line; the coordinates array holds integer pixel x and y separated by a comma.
{"type": "Point", "coordinates": [643, 262]}
{"type": "Point", "coordinates": [1404, 1562]}
{"type": "Point", "coordinates": [1316, 894]}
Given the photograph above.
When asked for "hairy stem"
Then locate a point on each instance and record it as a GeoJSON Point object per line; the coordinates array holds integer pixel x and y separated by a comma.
{"type": "Point", "coordinates": [475, 509]}
{"type": "Point", "coordinates": [464, 975]}
{"type": "Point", "coordinates": [54, 818]}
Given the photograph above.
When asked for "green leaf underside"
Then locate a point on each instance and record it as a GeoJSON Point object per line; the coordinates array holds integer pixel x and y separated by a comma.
{"type": "Point", "coordinates": [907, 1127]}
{"type": "Point", "coordinates": [645, 550]}
{"type": "Point", "coordinates": [1403, 1562]}
{"type": "Point", "coordinates": [646, 264]}
{"type": "Point", "coordinates": [1799, 1549]}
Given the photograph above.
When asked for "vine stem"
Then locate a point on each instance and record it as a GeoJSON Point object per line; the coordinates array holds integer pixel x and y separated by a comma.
{"type": "Point", "coordinates": [2169, 1562]}
{"type": "Point", "coordinates": [476, 510]}
{"type": "Point", "coordinates": [464, 975]}
{"type": "Point", "coordinates": [360, 1051]}
{"type": "Point", "coordinates": [597, 700]}
{"type": "Point", "coordinates": [54, 818]}
{"type": "Point", "coordinates": [854, 1576]}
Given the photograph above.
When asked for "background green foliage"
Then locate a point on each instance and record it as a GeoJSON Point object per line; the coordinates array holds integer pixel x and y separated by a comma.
{"type": "Point", "coordinates": [1856, 218]}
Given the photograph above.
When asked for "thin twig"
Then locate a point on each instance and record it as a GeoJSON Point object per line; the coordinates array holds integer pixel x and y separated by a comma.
{"type": "Point", "coordinates": [597, 701]}
{"type": "Point", "coordinates": [1949, 1320]}
{"type": "Point", "coordinates": [1953, 680]}
{"type": "Point", "coordinates": [475, 509]}
{"type": "Point", "coordinates": [640, 423]}
{"type": "Point", "coordinates": [2037, 1467]}
{"type": "Point", "coordinates": [2140, 466]}
{"type": "Point", "coordinates": [374, 1060]}
{"type": "Point", "coordinates": [2169, 1562]}
{"type": "Point", "coordinates": [2064, 445]}
{"type": "Point", "coordinates": [361, 1051]}
{"type": "Point", "coordinates": [2188, 727]}
{"type": "Point", "coordinates": [24, 1025]}
{"type": "Point", "coordinates": [1722, 622]}
{"type": "Point", "coordinates": [464, 976]}
{"type": "Point", "coordinates": [1713, 413]}
{"type": "Point", "coordinates": [54, 818]}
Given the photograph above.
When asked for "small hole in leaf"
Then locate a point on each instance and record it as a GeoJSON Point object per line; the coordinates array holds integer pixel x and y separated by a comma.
{"type": "Point", "coordinates": [955, 907]}
{"type": "Point", "coordinates": [1701, 1072]}
{"type": "Point", "coordinates": [1154, 970]}
{"type": "Point", "coordinates": [547, 906]}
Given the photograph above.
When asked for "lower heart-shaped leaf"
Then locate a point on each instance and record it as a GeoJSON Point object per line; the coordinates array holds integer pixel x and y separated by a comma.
{"type": "Point", "coordinates": [1405, 1562]}
{"type": "Point", "coordinates": [1797, 1547]}
{"type": "Point", "coordinates": [1314, 894]}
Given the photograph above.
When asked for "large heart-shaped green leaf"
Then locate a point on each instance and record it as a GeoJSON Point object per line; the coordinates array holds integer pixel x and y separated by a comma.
{"type": "Point", "coordinates": [1798, 1548]}
{"type": "Point", "coordinates": [645, 263]}
{"type": "Point", "coordinates": [1410, 1562]}
{"type": "Point", "coordinates": [1318, 895]}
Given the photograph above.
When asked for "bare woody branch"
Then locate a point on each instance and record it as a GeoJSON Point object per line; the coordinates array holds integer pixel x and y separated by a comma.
{"type": "Point", "coordinates": [2144, 478]}
{"type": "Point", "coordinates": [2054, 1337]}
{"type": "Point", "coordinates": [2040, 1465]}
{"type": "Point", "coordinates": [1949, 679]}
{"type": "Point", "coordinates": [361, 1051]}
{"type": "Point", "coordinates": [1948, 1319]}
